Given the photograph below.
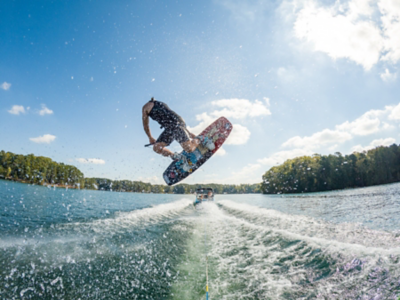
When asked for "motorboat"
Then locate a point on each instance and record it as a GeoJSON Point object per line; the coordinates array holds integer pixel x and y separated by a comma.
{"type": "Point", "coordinates": [203, 195]}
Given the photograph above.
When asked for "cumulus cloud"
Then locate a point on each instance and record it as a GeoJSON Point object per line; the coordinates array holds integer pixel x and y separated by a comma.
{"type": "Point", "coordinates": [322, 138]}
{"type": "Point", "coordinates": [94, 161]}
{"type": "Point", "coordinates": [45, 111]}
{"type": "Point", "coordinates": [351, 30]}
{"type": "Point", "coordinates": [5, 86]}
{"type": "Point", "coordinates": [239, 135]}
{"type": "Point", "coordinates": [390, 10]}
{"type": "Point", "coordinates": [205, 119]}
{"type": "Point", "coordinates": [395, 112]}
{"type": "Point", "coordinates": [221, 152]}
{"type": "Point", "coordinates": [341, 34]}
{"type": "Point", "coordinates": [17, 109]}
{"type": "Point", "coordinates": [238, 109]}
{"type": "Point", "coordinates": [369, 123]}
{"type": "Point", "coordinates": [374, 144]}
{"type": "Point", "coordinates": [282, 156]}
{"type": "Point", "coordinates": [44, 139]}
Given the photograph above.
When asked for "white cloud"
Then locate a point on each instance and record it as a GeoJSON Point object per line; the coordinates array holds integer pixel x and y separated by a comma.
{"type": "Point", "coordinates": [322, 138]}
{"type": "Point", "coordinates": [239, 135]}
{"type": "Point", "coordinates": [374, 144]}
{"type": "Point", "coordinates": [357, 30]}
{"type": "Point", "coordinates": [17, 109]}
{"type": "Point", "coordinates": [282, 156]}
{"type": "Point", "coordinates": [387, 126]}
{"type": "Point", "coordinates": [341, 34]}
{"type": "Point", "coordinates": [369, 123]}
{"type": "Point", "coordinates": [45, 111]}
{"type": "Point", "coordinates": [239, 108]}
{"type": "Point", "coordinates": [94, 161]}
{"type": "Point", "coordinates": [233, 109]}
{"type": "Point", "coordinates": [5, 86]}
{"type": "Point", "coordinates": [44, 139]}
{"type": "Point", "coordinates": [387, 76]}
{"type": "Point", "coordinates": [383, 142]}
{"type": "Point", "coordinates": [221, 152]}
{"type": "Point", "coordinates": [390, 10]}
{"type": "Point", "coordinates": [205, 120]}
{"type": "Point", "coordinates": [395, 112]}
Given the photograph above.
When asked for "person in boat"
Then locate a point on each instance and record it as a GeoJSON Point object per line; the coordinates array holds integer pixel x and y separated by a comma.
{"type": "Point", "coordinates": [210, 195]}
{"type": "Point", "coordinates": [174, 129]}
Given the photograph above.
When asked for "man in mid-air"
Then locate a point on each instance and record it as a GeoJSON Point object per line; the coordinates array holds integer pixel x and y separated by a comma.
{"type": "Point", "coordinates": [174, 129]}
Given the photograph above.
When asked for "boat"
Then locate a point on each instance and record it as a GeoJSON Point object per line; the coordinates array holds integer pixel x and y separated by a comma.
{"type": "Point", "coordinates": [203, 195]}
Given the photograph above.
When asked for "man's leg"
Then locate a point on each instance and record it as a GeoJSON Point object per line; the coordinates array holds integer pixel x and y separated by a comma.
{"type": "Point", "coordinates": [160, 148]}
{"type": "Point", "coordinates": [164, 140]}
{"type": "Point", "coordinates": [190, 145]}
{"type": "Point", "coordinates": [181, 135]}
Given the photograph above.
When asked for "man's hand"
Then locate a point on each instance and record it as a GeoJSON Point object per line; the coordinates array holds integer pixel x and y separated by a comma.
{"type": "Point", "coordinates": [152, 140]}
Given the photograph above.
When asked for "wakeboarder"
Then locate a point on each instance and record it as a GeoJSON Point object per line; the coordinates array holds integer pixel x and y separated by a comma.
{"type": "Point", "coordinates": [174, 129]}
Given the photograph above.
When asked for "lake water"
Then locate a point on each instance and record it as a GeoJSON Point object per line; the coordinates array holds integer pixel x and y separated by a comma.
{"type": "Point", "coordinates": [71, 244]}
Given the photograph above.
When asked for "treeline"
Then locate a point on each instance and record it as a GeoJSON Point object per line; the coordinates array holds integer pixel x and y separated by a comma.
{"type": "Point", "coordinates": [324, 173]}
{"type": "Point", "coordinates": [141, 187]}
{"type": "Point", "coordinates": [38, 170]}
{"type": "Point", "coordinates": [42, 170]}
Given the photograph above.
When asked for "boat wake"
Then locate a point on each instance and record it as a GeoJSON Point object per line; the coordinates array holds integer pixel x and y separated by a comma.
{"type": "Point", "coordinates": [159, 252]}
{"type": "Point", "coordinates": [260, 253]}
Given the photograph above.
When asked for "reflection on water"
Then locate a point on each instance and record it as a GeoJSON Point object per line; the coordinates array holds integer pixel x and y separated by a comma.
{"type": "Point", "coordinates": [59, 244]}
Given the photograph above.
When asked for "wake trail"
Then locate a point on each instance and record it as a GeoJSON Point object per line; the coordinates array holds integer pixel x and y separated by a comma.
{"type": "Point", "coordinates": [128, 255]}
{"type": "Point", "coordinates": [277, 254]}
{"type": "Point", "coordinates": [314, 229]}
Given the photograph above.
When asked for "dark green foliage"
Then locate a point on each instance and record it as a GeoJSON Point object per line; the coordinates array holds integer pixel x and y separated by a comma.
{"type": "Point", "coordinates": [142, 187]}
{"type": "Point", "coordinates": [38, 170]}
{"type": "Point", "coordinates": [324, 173]}
{"type": "Point", "coordinates": [42, 170]}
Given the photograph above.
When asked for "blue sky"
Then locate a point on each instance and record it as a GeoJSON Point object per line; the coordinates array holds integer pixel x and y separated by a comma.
{"type": "Point", "coordinates": [294, 77]}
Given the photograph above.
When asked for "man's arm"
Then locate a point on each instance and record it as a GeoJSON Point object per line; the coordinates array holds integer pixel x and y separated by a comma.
{"type": "Point", "coordinates": [145, 119]}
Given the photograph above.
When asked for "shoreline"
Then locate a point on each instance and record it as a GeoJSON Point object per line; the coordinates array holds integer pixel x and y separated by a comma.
{"type": "Point", "coordinates": [267, 194]}
{"type": "Point", "coordinates": [45, 184]}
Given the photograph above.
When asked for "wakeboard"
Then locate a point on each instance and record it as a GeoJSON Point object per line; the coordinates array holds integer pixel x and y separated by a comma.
{"type": "Point", "coordinates": [216, 133]}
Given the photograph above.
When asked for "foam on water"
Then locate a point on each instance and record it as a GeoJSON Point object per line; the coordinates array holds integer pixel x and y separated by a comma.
{"type": "Point", "coordinates": [159, 252]}
{"type": "Point", "coordinates": [319, 230]}
{"type": "Point", "coordinates": [131, 254]}
{"type": "Point", "coordinates": [307, 258]}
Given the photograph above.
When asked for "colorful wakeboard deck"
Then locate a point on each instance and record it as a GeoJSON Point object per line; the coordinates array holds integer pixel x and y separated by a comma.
{"type": "Point", "coordinates": [217, 132]}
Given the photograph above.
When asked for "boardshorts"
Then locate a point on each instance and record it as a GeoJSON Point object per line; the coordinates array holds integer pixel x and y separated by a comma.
{"type": "Point", "coordinates": [178, 133]}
